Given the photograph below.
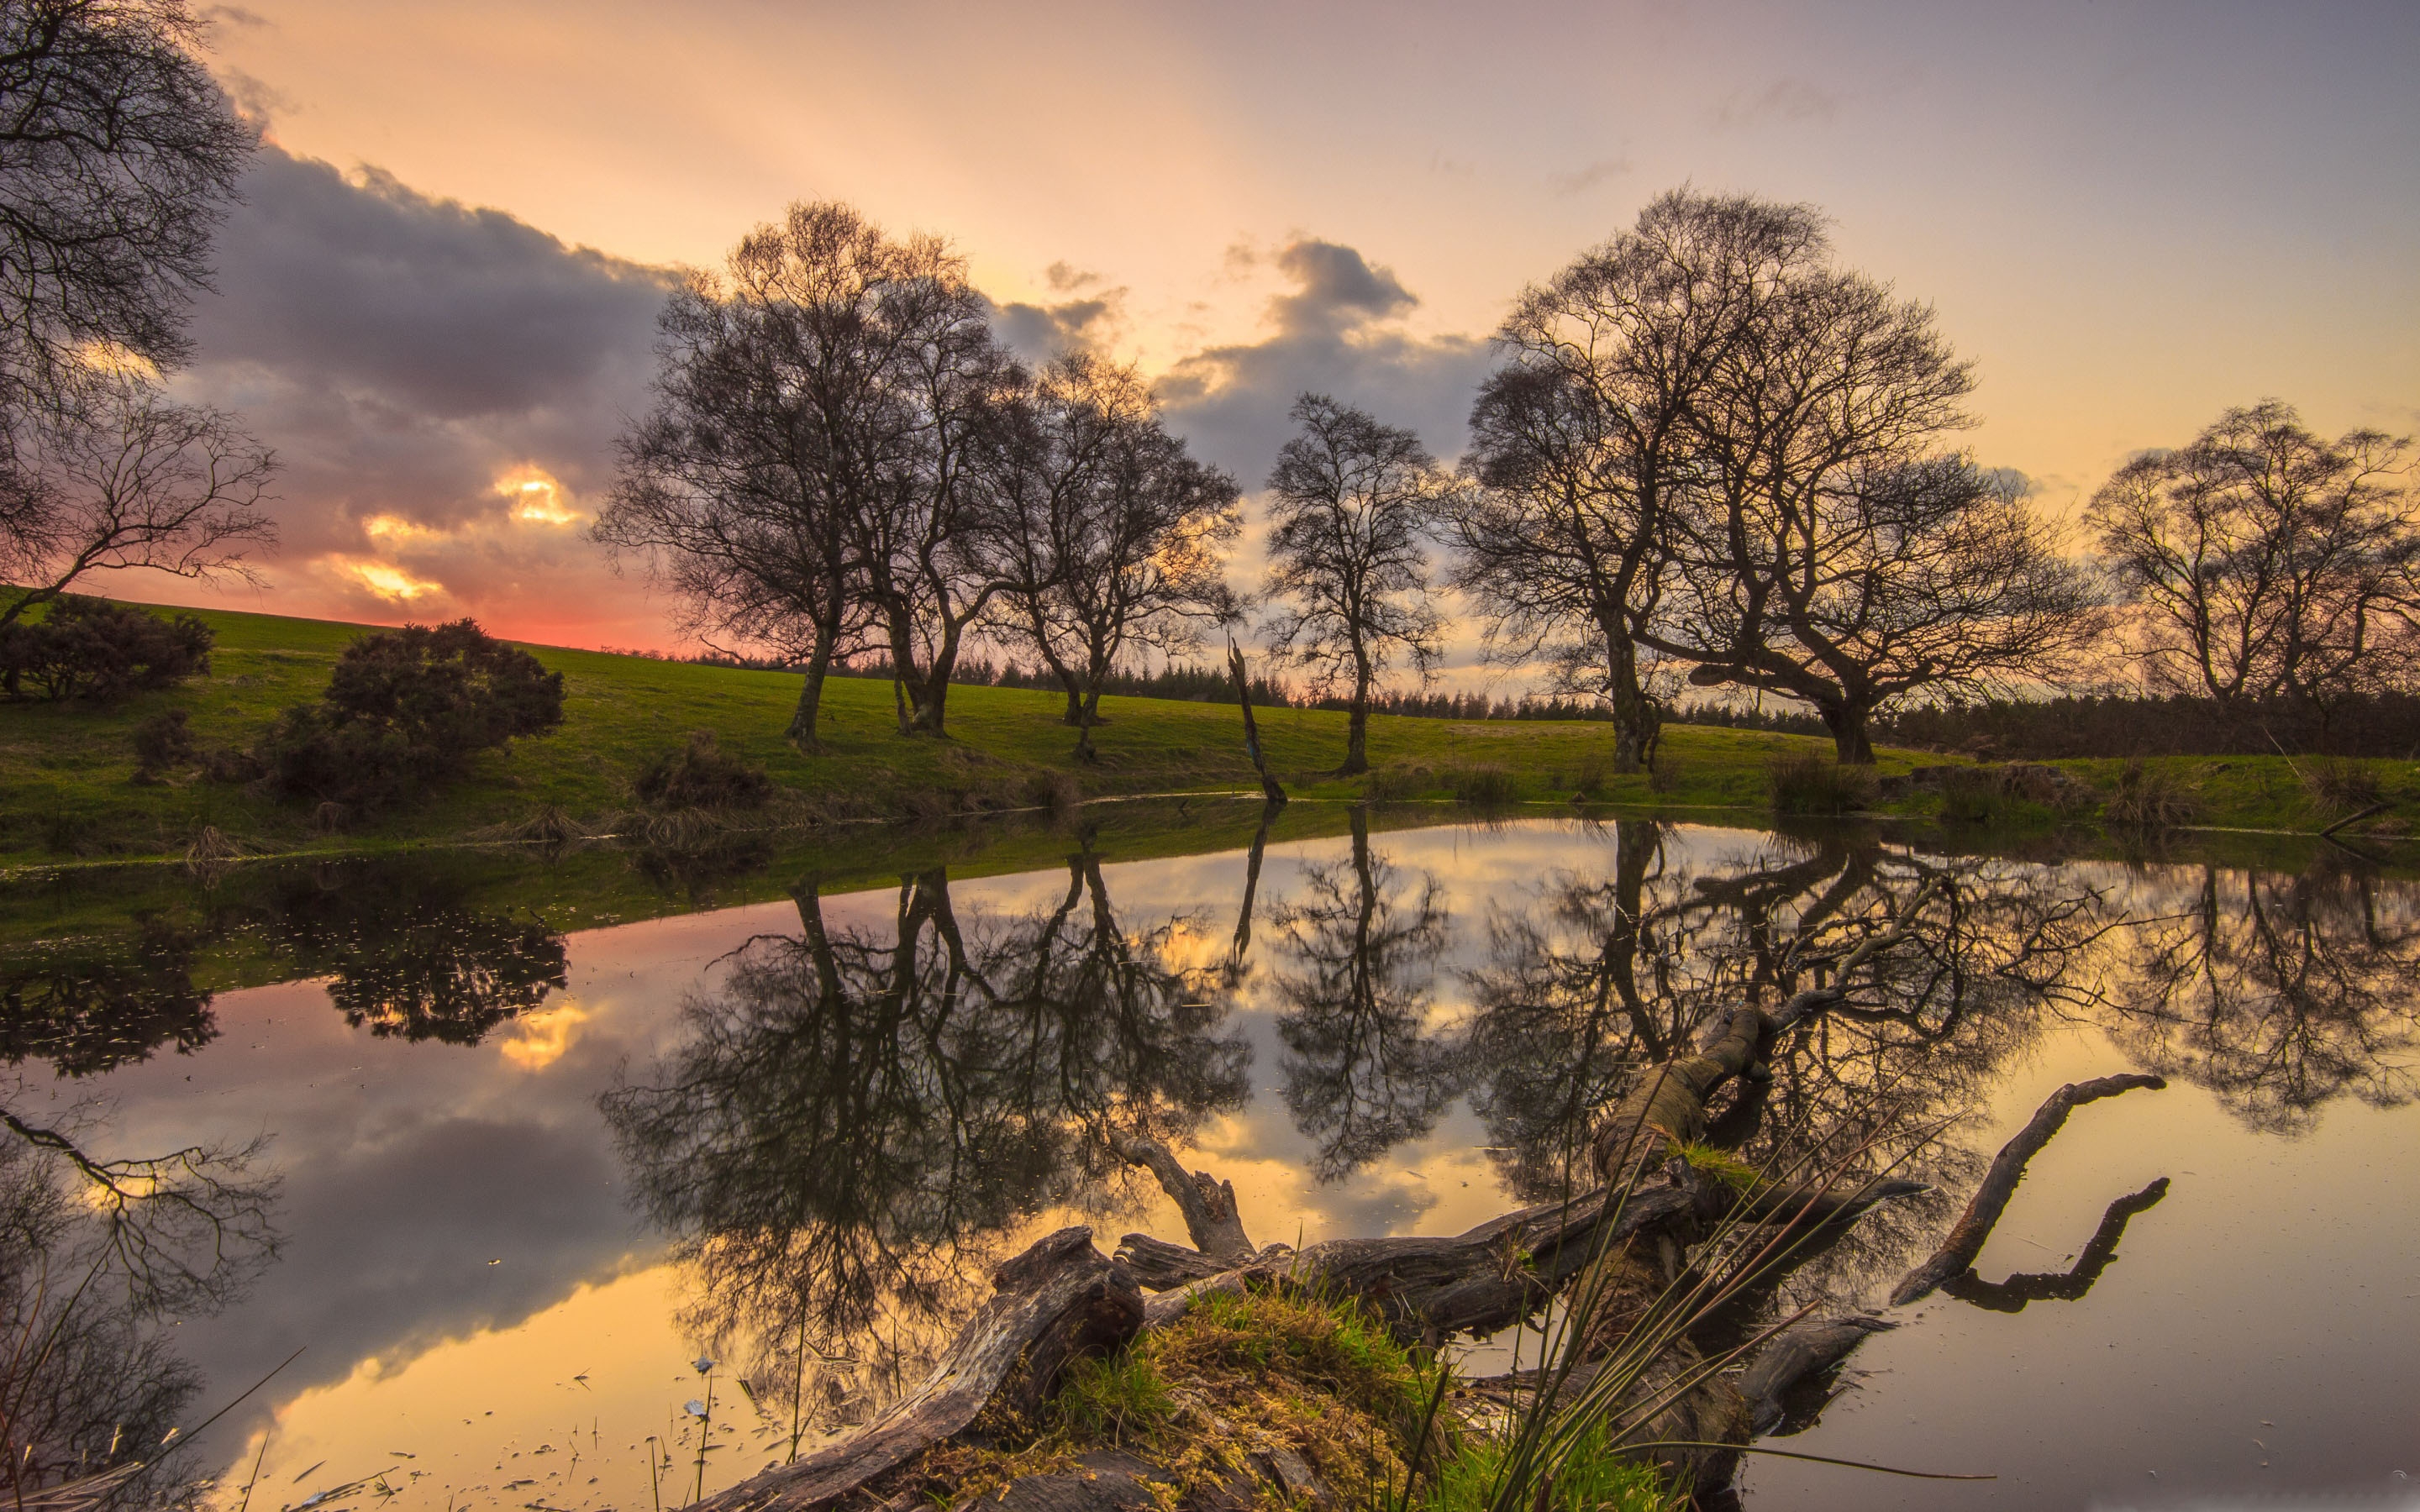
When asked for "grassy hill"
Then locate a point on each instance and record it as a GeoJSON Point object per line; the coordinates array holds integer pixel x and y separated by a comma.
{"type": "Point", "coordinates": [67, 769]}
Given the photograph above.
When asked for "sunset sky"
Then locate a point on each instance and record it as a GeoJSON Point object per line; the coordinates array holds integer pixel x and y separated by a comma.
{"type": "Point", "coordinates": [437, 300]}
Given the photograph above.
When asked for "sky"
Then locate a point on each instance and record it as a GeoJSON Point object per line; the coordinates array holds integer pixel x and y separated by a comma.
{"type": "Point", "coordinates": [437, 299]}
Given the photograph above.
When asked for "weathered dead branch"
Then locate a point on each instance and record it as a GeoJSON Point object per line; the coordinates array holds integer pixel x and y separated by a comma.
{"type": "Point", "coordinates": [1059, 1300]}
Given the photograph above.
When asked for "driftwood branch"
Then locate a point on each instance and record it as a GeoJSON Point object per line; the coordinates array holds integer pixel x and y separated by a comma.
{"type": "Point", "coordinates": [1800, 1352]}
{"type": "Point", "coordinates": [1207, 1203]}
{"type": "Point", "coordinates": [1974, 1226]}
{"type": "Point", "coordinates": [1059, 1300]}
{"type": "Point", "coordinates": [2010, 1296]}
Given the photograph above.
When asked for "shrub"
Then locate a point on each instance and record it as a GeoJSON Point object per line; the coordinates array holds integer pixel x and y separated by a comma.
{"type": "Point", "coordinates": [1664, 773]}
{"type": "Point", "coordinates": [2149, 798]}
{"type": "Point", "coordinates": [1972, 796]}
{"type": "Point", "coordinates": [1483, 786]}
{"type": "Point", "coordinates": [1588, 778]}
{"type": "Point", "coordinates": [2343, 786]}
{"type": "Point", "coordinates": [1803, 783]}
{"type": "Point", "coordinates": [1397, 781]}
{"type": "Point", "coordinates": [164, 743]}
{"type": "Point", "coordinates": [700, 776]}
{"type": "Point", "coordinates": [407, 710]}
{"type": "Point", "coordinates": [94, 649]}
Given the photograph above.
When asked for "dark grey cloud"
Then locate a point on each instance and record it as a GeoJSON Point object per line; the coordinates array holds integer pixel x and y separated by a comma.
{"type": "Point", "coordinates": [1038, 332]}
{"type": "Point", "coordinates": [404, 353]}
{"type": "Point", "coordinates": [1335, 331]}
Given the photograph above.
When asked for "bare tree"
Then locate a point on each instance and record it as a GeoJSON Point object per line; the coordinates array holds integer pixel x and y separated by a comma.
{"type": "Point", "coordinates": [2266, 561]}
{"type": "Point", "coordinates": [134, 481]}
{"type": "Point", "coordinates": [1582, 441]}
{"type": "Point", "coordinates": [1828, 551]}
{"type": "Point", "coordinates": [1114, 530]}
{"type": "Point", "coordinates": [1350, 500]}
{"type": "Point", "coordinates": [930, 546]}
{"type": "Point", "coordinates": [118, 156]}
{"type": "Point", "coordinates": [776, 429]}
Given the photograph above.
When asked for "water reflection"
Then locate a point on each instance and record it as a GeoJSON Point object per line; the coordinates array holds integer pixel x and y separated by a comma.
{"type": "Point", "coordinates": [2277, 993]}
{"type": "Point", "coordinates": [855, 1116]}
{"type": "Point", "coordinates": [88, 1007]}
{"type": "Point", "coordinates": [857, 1107]}
{"type": "Point", "coordinates": [413, 963]}
{"type": "Point", "coordinates": [1359, 944]}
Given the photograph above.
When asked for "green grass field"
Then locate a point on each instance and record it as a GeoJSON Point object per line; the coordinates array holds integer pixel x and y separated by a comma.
{"type": "Point", "coordinates": [66, 789]}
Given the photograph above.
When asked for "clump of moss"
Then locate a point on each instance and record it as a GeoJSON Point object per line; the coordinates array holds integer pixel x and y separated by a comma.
{"type": "Point", "coordinates": [1235, 1377]}
{"type": "Point", "coordinates": [1720, 1165]}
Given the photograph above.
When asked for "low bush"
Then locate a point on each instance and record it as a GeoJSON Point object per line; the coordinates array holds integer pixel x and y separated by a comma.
{"type": "Point", "coordinates": [97, 650]}
{"type": "Point", "coordinates": [700, 776]}
{"type": "Point", "coordinates": [2149, 798]}
{"type": "Point", "coordinates": [1973, 795]}
{"type": "Point", "coordinates": [405, 710]}
{"type": "Point", "coordinates": [1397, 783]}
{"type": "Point", "coordinates": [2345, 787]}
{"type": "Point", "coordinates": [164, 743]}
{"type": "Point", "coordinates": [1483, 786]}
{"type": "Point", "coordinates": [1803, 783]}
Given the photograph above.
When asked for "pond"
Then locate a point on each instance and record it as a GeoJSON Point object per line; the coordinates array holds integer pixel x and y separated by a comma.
{"type": "Point", "coordinates": [569, 1207]}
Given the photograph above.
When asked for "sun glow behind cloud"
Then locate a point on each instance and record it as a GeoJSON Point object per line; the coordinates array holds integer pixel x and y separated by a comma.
{"type": "Point", "coordinates": [389, 583]}
{"type": "Point", "coordinates": [538, 499]}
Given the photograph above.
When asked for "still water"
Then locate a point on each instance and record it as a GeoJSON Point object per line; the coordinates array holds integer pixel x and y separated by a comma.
{"type": "Point", "coordinates": [570, 1215]}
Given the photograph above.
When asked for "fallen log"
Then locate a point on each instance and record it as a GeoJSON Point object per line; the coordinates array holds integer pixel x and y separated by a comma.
{"type": "Point", "coordinates": [1809, 1348]}
{"type": "Point", "coordinates": [1059, 1300]}
{"type": "Point", "coordinates": [1966, 1235]}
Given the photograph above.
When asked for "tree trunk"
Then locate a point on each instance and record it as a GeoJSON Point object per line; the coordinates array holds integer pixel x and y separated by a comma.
{"type": "Point", "coordinates": [1636, 721]}
{"type": "Point", "coordinates": [1850, 742]}
{"type": "Point", "coordinates": [801, 732]}
{"type": "Point", "coordinates": [1269, 789]}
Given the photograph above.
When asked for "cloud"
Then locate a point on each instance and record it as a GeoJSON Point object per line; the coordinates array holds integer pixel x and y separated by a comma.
{"type": "Point", "coordinates": [1333, 330]}
{"type": "Point", "coordinates": [442, 385]}
{"type": "Point", "coordinates": [1601, 171]}
{"type": "Point", "coordinates": [1786, 99]}
{"type": "Point", "coordinates": [1038, 332]}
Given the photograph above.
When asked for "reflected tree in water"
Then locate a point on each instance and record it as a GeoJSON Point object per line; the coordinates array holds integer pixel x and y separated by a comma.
{"type": "Point", "coordinates": [100, 1255]}
{"type": "Point", "coordinates": [2278, 994]}
{"type": "Point", "coordinates": [856, 1119]}
{"type": "Point", "coordinates": [1358, 947]}
{"type": "Point", "coordinates": [90, 1007]}
{"type": "Point", "coordinates": [417, 963]}
{"type": "Point", "coordinates": [1602, 976]}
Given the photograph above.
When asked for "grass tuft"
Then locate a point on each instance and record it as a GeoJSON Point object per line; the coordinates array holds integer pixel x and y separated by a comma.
{"type": "Point", "coordinates": [1803, 783]}
{"type": "Point", "coordinates": [2149, 796]}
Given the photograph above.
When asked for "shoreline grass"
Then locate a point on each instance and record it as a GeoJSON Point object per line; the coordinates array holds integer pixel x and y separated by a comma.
{"type": "Point", "coordinates": [69, 794]}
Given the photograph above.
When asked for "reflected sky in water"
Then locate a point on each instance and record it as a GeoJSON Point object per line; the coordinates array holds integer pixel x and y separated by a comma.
{"type": "Point", "coordinates": [528, 1173]}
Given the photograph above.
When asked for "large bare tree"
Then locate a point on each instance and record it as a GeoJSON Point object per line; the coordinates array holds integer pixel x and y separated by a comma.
{"type": "Point", "coordinates": [1350, 498]}
{"type": "Point", "coordinates": [2265, 561]}
{"type": "Point", "coordinates": [777, 426]}
{"type": "Point", "coordinates": [1830, 551]}
{"type": "Point", "coordinates": [931, 543]}
{"type": "Point", "coordinates": [1114, 531]}
{"type": "Point", "coordinates": [1582, 441]}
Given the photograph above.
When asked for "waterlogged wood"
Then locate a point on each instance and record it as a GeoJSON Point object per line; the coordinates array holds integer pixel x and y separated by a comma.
{"type": "Point", "coordinates": [1161, 1266]}
{"type": "Point", "coordinates": [1475, 1281]}
{"type": "Point", "coordinates": [1816, 1345]}
{"type": "Point", "coordinates": [1966, 1237]}
{"type": "Point", "coordinates": [1059, 1300]}
{"type": "Point", "coordinates": [1207, 1203]}
{"type": "Point", "coordinates": [1802, 1351]}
